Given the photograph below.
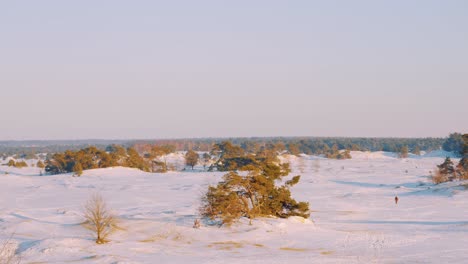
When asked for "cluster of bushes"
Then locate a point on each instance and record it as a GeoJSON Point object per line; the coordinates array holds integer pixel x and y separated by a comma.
{"type": "Point", "coordinates": [447, 171]}
{"type": "Point", "coordinates": [93, 158]}
{"type": "Point", "coordinates": [232, 157]}
{"type": "Point", "coordinates": [152, 158]}
{"type": "Point", "coordinates": [17, 164]}
{"type": "Point", "coordinates": [229, 157]}
{"type": "Point", "coordinates": [334, 153]}
{"type": "Point", "coordinates": [155, 156]}
{"type": "Point", "coordinates": [252, 193]}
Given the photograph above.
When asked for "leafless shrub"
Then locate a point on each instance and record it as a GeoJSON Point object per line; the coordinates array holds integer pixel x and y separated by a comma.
{"type": "Point", "coordinates": [98, 218]}
{"type": "Point", "coordinates": [7, 252]}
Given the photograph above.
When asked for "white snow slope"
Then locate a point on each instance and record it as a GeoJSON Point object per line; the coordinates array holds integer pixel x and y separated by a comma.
{"type": "Point", "coordinates": [354, 218]}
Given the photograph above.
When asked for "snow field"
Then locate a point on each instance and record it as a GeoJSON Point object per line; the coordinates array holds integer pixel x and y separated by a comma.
{"type": "Point", "coordinates": [354, 218]}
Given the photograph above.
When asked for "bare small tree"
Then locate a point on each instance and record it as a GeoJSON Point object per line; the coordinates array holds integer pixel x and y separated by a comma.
{"type": "Point", "coordinates": [7, 252]}
{"type": "Point", "coordinates": [191, 158]}
{"type": "Point", "coordinates": [98, 218]}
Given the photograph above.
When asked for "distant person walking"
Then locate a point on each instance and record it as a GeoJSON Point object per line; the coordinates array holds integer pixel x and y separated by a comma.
{"type": "Point", "coordinates": [196, 224]}
{"type": "Point", "coordinates": [396, 199]}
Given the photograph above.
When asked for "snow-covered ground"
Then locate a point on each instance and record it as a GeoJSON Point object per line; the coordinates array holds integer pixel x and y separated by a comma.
{"type": "Point", "coordinates": [354, 218]}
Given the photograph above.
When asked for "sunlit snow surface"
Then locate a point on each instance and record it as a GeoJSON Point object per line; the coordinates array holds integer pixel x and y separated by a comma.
{"type": "Point", "coordinates": [354, 217]}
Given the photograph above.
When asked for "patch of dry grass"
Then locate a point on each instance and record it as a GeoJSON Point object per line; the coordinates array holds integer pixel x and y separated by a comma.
{"type": "Point", "coordinates": [8, 252]}
{"type": "Point", "coordinates": [231, 245]}
{"type": "Point", "coordinates": [226, 245]}
{"type": "Point", "coordinates": [168, 233]}
{"type": "Point", "coordinates": [294, 249]}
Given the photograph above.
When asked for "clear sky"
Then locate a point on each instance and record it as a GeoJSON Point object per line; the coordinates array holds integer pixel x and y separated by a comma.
{"type": "Point", "coordinates": [170, 69]}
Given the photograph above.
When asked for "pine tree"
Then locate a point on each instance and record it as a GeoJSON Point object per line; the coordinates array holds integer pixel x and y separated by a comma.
{"type": "Point", "coordinates": [417, 150]}
{"type": "Point", "coordinates": [403, 152]}
{"type": "Point", "coordinates": [447, 169]}
{"type": "Point", "coordinates": [334, 148]}
{"type": "Point", "coordinates": [254, 193]}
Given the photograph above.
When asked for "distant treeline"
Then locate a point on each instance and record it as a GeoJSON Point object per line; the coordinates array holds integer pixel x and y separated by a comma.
{"type": "Point", "coordinates": [307, 145]}
{"type": "Point", "coordinates": [29, 148]}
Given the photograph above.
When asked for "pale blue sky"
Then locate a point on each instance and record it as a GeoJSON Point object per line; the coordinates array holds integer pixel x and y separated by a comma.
{"type": "Point", "coordinates": [170, 69]}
